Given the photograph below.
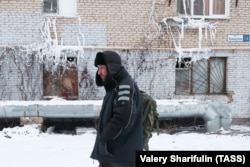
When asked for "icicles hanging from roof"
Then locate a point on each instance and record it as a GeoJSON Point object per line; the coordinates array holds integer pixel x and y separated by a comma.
{"type": "Point", "coordinates": [180, 25]}
{"type": "Point", "coordinates": [49, 50]}
{"type": "Point", "coordinates": [50, 53]}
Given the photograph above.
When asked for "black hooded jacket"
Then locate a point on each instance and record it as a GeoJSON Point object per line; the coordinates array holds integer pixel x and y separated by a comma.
{"type": "Point", "coordinates": [119, 132]}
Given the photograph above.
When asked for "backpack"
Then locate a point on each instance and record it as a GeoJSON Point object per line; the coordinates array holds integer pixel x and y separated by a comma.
{"type": "Point", "coordinates": [150, 118]}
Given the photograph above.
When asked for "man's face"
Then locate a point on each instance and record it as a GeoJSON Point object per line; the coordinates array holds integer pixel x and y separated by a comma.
{"type": "Point", "coordinates": [102, 72]}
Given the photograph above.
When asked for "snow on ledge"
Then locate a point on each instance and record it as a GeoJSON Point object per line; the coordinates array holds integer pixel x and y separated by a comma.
{"type": "Point", "coordinates": [61, 101]}
{"type": "Point", "coordinates": [51, 102]}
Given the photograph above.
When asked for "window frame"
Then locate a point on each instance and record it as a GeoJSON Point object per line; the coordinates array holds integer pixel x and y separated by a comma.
{"type": "Point", "coordinates": [63, 82]}
{"type": "Point", "coordinates": [187, 86]}
{"type": "Point", "coordinates": [210, 15]}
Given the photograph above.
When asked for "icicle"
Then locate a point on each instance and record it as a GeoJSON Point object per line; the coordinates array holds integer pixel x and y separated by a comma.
{"type": "Point", "coordinates": [81, 39]}
{"type": "Point", "coordinates": [200, 34]}
{"type": "Point", "coordinates": [179, 42]}
{"type": "Point", "coordinates": [206, 33]}
{"type": "Point", "coordinates": [182, 29]}
{"type": "Point", "coordinates": [184, 7]}
{"type": "Point", "coordinates": [152, 29]}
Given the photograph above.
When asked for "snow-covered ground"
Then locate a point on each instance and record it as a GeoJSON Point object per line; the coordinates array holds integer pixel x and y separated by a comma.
{"type": "Point", "coordinates": [28, 146]}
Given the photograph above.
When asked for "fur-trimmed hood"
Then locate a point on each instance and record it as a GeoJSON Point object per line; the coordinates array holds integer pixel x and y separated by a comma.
{"type": "Point", "coordinates": [113, 62]}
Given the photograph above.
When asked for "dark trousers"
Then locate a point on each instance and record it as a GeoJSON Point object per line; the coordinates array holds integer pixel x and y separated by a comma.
{"type": "Point", "coordinates": [108, 164]}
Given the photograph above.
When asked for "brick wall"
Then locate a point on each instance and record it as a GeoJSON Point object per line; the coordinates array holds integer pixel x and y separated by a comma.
{"type": "Point", "coordinates": [238, 83]}
{"type": "Point", "coordinates": [131, 26]}
{"type": "Point", "coordinates": [124, 23]}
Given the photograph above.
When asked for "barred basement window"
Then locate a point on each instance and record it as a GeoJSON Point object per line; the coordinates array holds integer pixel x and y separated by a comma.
{"type": "Point", "coordinates": [203, 8]}
{"type": "Point", "coordinates": [201, 77]}
{"type": "Point", "coordinates": [50, 6]}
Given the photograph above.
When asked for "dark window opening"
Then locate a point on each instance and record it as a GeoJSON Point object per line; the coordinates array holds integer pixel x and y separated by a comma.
{"type": "Point", "coordinates": [50, 6]}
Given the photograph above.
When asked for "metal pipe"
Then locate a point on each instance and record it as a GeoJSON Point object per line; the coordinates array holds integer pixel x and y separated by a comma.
{"type": "Point", "coordinates": [214, 114]}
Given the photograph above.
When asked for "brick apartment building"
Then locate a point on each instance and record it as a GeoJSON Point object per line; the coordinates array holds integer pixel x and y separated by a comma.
{"type": "Point", "coordinates": [174, 50]}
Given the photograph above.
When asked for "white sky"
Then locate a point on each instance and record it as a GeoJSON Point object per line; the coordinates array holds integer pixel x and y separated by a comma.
{"type": "Point", "coordinates": [27, 147]}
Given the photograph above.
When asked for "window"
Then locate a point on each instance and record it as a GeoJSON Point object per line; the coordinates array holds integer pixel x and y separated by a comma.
{"type": "Point", "coordinates": [201, 77]}
{"type": "Point", "coordinates": [60, 7]}
{"type": "Point", "coordinates": [203, 8]}
{"type": "Point", "coordinates": [50, 6]}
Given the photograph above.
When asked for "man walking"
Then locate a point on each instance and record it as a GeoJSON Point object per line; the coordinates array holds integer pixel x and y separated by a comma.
{"type": "Point", "coordinates": [120, 127]}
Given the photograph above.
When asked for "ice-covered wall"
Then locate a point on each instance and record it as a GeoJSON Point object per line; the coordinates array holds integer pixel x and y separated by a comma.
{"type": "Point", "coordinates": [20, 74]}
{"type": "Point", "coordinates": [154, 71]}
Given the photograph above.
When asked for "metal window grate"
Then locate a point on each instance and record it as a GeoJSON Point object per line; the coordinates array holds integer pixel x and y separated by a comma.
{"type": "Point", "coordinates": [206, 76]}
